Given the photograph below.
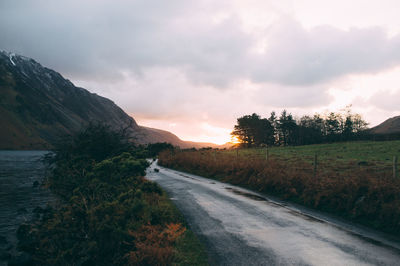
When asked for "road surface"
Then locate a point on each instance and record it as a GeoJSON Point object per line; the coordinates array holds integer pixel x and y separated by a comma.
{"type": "Point", "coordinates": [240, 227]}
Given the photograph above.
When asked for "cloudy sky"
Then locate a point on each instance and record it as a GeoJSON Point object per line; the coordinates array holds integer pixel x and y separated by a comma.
{"type": "Point", "coordinates": [193, 67]}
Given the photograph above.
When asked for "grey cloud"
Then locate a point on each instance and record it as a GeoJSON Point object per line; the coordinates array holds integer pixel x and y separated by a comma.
{"type": "Point", "coordinates": [98, 40]}
{"type": "Point", "coordinates": [114, 46]}
{"type": "Point", "coordinates": [296, 56]}
{"type": "Point", "coordinates": [276, 96]}
{"type": "Point", "coordinates": [385, 100]}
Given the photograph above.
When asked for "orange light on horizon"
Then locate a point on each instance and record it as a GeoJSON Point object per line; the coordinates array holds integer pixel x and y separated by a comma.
{"type": "Point", "coordinates": [218, 140]}
{"type": "Point", "coordinates": [235, 139]}
{"type": "Point", "coordinates": [191, 131]}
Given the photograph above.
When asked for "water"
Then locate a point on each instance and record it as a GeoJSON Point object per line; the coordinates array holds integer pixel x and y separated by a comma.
{"type": "Point", "coordinates": [21, 173]}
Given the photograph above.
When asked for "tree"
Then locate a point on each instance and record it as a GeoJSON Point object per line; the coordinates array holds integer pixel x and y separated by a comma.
{"type": "Point", "coordinates": [252, 130]}
{"type": "Point", "coordinates": [310, 130]}
{"type": "Point", "coordinates": [97, 141]}
{"type": "Point", "coordinates": [333, 126]}
{"type": "Point", "coordinates": [153, 149]}
{"type": "Point", "coordinates": [358, 123]}
{"type": "Point", "coordinates": [273, 121]}
{"type": "Point", "coordinates": [287, 129]}
{"type": "Point", "coordinates": [348, 129]}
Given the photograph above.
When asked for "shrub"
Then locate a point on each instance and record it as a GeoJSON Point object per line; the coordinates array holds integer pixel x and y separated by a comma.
{"type": "Point", "coordinates": [108, 213]}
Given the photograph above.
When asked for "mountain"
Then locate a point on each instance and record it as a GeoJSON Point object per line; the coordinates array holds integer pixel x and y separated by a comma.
{"type": "Point", "coordinates": [38, 106]}
{"type": "Point", "coordinates": [152, 135]}
{"type": "Point", "coordinates": [389, 126]}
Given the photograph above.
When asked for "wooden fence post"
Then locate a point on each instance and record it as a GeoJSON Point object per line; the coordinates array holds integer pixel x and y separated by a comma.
{"type": "Point", "coordinates": [237, 152]}
{"type": "Point", "coordinates": [315, 165]}
{"type": "Point", "coordinates": [267, 154]}
{"type": "Point", "coordinates": [394, 166]}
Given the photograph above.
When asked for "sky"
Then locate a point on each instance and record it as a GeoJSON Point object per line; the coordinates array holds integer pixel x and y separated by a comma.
{"type": "Point", "coordinates": [194, 67]}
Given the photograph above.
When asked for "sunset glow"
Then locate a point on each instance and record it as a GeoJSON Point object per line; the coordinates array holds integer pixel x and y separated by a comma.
{"type": "Point", "coordinates": [193, 68]}
{"type": "Point", "coordinates": [235, 140]}
{"type": "Point", "coordinates": [206, 132]}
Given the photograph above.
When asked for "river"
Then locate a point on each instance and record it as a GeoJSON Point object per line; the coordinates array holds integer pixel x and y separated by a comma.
{"type": "Point", "coordinates": [21, 176]}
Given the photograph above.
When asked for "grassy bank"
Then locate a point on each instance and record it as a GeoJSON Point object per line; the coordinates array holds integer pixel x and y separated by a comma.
{"type": "Point", "coordinates": [108, 214]}
{"type": "Point", "coordinates": [352, 180]}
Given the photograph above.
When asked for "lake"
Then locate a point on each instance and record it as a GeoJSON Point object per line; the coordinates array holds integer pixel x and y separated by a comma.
{"type": "Point", "coordinates": [21, 176]}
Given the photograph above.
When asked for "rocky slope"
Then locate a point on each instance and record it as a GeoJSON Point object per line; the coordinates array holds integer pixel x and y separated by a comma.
{"type": "Point", "coordinates": [38, 106]}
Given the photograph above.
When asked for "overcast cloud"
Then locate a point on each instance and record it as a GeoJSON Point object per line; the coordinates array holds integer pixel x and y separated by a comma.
{"type": "Point", "coordinates": [204, 61]}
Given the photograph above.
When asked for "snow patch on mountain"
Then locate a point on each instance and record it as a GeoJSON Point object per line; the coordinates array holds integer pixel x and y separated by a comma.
{"type": "Point", "coordinates": [11, 56]}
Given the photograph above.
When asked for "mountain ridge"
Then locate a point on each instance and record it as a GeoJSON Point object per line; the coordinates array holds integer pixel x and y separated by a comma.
{"type": "Point", "coordinates": [389, 126]}
{"type": "Point", "coordinates": [38, 106]}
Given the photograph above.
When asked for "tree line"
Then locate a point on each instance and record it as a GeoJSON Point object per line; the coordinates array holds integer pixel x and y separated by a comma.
{"type": "Point", "coordinates": [253, 130]}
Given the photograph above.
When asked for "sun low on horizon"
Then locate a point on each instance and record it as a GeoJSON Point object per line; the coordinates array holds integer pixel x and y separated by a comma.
{"type": "Point", "coordinates": [227, 132]}
{"type": "Point", "coordinates": [193, 68]}
{"type": "Point", "coordinates": [205, 132]}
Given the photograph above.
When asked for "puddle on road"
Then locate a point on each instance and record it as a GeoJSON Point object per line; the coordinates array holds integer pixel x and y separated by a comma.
{"type": "Point", "coordinates": [374, 241]}
{"type": "Point", "coordinates": [311, 218]}
{"type": "Point", "coordinates": [290, 211]}
{"type": "Point", "coordinates": [305, 216]}
{"type": "Point", "coordinates": [246, 194]}
{"type": "Point", "coordinates": [185, 176]}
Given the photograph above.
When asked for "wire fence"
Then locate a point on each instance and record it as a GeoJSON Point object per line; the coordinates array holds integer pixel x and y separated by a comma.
{"type": "Point", "coordinates": [311, 164]}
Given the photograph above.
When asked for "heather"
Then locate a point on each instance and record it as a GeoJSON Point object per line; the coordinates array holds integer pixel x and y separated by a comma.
{"type": "Point", "coordinates": [107, 213]}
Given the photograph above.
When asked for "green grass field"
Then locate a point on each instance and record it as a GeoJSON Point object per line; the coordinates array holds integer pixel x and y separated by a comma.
{"type": "Point", "coordinates": [379, 153]}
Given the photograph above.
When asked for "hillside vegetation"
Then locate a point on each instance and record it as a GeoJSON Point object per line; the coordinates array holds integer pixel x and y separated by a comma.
{"type": "Point", "coordinates": [38, 106]}
{"type": "Point", "coordinates": [108, 214]}
{"type": "Point", "coordinates": [390, 126]}
{"type": "Point", "coordinates": [353, 180]}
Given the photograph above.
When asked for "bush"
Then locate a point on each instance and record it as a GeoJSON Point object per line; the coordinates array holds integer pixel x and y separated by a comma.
{"type": "Point", "coordinates": [155, 148]}
{"type": "Point", "coordinates": [109, 214]}
{"type": "Point", "coordinates": [96, 142]}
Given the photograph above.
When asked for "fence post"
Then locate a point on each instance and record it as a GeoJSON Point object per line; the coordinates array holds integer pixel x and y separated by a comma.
{"type": "Point", "coordinates": [267, 154]}
{"type": "Point", "coordinates": [215, 155]}
{"type": "Point", "coordinates": [315, 165]}
{"type": "Point", "coordinates": [394, 166]}
{"type": "Point", "coordinates": [237, 152]}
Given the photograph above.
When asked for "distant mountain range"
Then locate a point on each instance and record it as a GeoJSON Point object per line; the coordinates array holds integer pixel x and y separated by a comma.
{"type": "Point", "coordinates": [38, 107]}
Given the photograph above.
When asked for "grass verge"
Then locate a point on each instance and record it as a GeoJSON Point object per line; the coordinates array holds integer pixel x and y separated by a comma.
{"type": "Point", "coordinates": [361, 189]}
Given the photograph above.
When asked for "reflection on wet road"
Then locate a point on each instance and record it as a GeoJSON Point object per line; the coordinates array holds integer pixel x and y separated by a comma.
{"type": "Point", "coordinates": [240, 227]}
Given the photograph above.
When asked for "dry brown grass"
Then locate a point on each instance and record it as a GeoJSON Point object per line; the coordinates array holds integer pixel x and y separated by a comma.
{"type": "Point", "coordinates": [155, 244]}
{"type": "Point", "coordinates": [368, 195]}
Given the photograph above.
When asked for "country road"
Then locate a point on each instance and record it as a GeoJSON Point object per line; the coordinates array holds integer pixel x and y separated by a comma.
{"type": "Point", "coordinates": [240, 227]}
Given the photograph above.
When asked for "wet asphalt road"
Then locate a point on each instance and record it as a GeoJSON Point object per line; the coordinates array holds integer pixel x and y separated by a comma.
{"type": "Point", "coordinates": [240, 227]}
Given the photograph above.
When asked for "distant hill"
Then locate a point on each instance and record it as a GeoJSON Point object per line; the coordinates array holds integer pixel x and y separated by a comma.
{"type": "Point", "coordinates": [152, 135]}
{"type": "Point", "coordinates": [390, 126]}
{"type": "Point", "coordinates": [38, 106]}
